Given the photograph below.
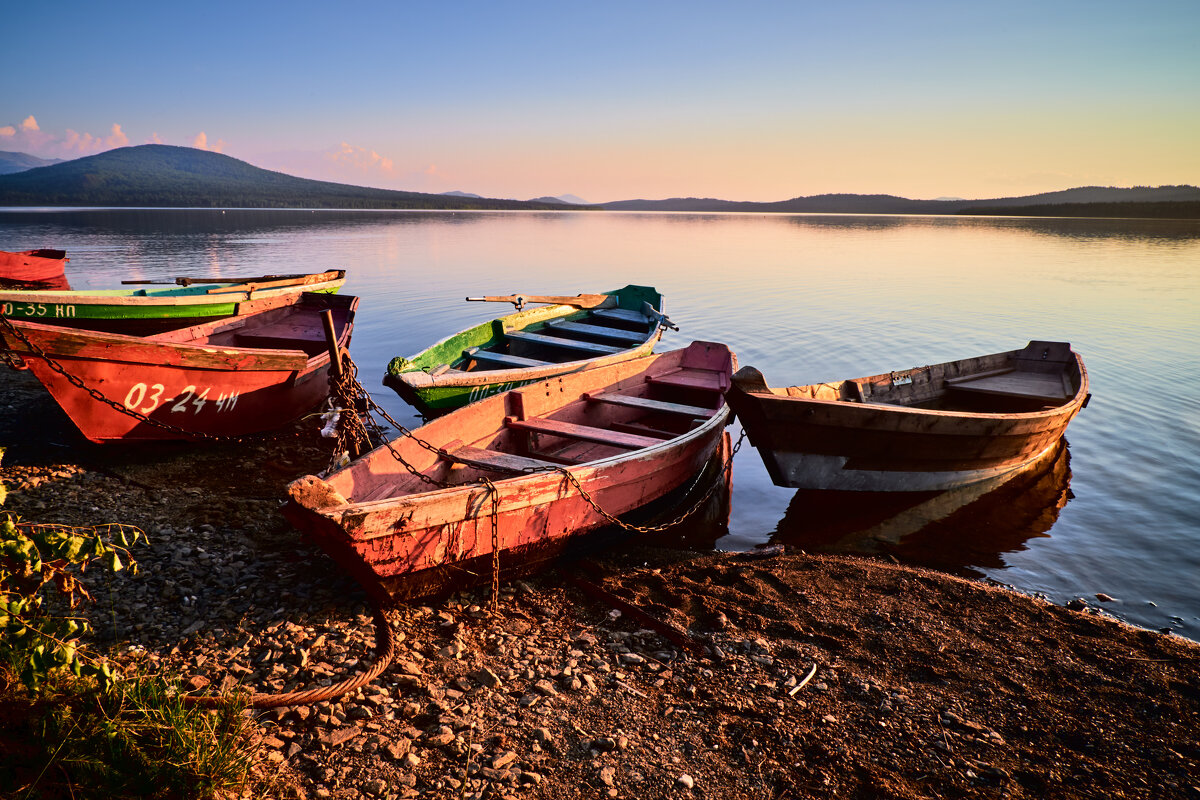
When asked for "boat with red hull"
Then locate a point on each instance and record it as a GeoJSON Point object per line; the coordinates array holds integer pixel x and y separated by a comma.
{"type": "Point", "coordinates": [928, 428]}
{"type": "Point", "coordinates": [627, 434]}
{"type": "Point", "coordinates": [235, 376]}
{"type": "Point", "coordinates": [33, 266]}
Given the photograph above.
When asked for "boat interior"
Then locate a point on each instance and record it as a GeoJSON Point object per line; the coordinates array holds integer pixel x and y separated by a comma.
{"type": "Point", "coordinates": [590, 333]}
{"type": "Point", "coordinates": [292, 325]}
{"type": "Point", "coordinates": [530, 429]}
{"type": "Point", "coordinates": [1040, 375]}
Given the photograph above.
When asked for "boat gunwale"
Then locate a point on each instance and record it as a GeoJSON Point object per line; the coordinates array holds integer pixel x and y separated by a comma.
{"type": "Point", "coordinates": [419, 378]}
{"type": "Point", "coordinates": [286, 358]}
{"type": "Point", "coordinates": [772, 393]}
{"type": "Point", "coordinates": [582, 472]}
{"type": "Point", "coordinates": [192, 297]}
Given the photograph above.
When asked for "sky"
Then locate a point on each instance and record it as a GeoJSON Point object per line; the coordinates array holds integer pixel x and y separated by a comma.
{"type": "Point", "coordinates": [619, 100]}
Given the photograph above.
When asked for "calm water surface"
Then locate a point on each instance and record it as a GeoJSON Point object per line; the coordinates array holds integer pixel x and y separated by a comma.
{"type": "Point", "coordinates": [805, 298]}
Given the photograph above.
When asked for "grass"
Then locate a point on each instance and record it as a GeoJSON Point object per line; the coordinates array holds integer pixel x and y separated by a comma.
{"type": "Point", "coordinates": [136, 739]}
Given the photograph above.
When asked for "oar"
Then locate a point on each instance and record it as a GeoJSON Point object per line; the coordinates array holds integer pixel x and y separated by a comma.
{"type": "Point", "coordinates": [519, 300]}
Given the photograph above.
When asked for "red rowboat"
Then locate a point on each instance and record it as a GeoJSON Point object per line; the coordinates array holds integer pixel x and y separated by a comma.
{"type": "Point", "coordinates": [32, 266]}
{"type": "Point", "coordinates": [239, 375]}
{"type": "Point", "coordinates": [627, 434]}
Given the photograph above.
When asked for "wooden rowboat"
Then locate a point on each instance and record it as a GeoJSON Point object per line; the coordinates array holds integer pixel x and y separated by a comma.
{"type": "Point", "coordinates": [235, 376]}
{"type": "Point", "coordinates": [527, 346]}
{"type": "Point", "coordinates": [151, 309]}
{"type": "Point", "coordinates": [32, 266]}
{"type": "Point", "coordinates": [628, 434]}
{"type": "Point", "coordinates": [927, 428]}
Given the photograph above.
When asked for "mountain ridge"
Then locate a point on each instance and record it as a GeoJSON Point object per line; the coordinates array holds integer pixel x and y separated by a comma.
{"type": "Point", "coordinates": [170, 176]}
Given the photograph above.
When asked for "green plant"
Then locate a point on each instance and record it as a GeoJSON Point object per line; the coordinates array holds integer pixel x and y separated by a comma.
{"type": "Point", "coordinates": [35, 560]}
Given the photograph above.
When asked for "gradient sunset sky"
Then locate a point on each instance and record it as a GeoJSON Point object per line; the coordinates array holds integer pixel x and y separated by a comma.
{"type": "Point", "coordinates": [620, 100]}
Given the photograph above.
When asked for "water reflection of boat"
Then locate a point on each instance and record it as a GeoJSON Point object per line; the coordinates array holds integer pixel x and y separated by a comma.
{"type": "Point", "coordinates": [959, 530]}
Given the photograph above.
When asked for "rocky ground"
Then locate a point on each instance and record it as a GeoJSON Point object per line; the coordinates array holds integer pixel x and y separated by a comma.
{"type": "Point", "coordinates": [773, 675]}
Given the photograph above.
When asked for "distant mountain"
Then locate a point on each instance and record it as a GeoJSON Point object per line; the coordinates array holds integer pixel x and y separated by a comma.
{"type": "Point", "coordinates": [155, 175]}
{"type": "Point", "coordinates": [890, 204]}
{"type": "Point", "coordinates": [19, 162]}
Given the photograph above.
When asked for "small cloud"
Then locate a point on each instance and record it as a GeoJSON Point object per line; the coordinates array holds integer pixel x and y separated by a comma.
{"type": "Point", "coordinates": [154, 139]}
{"type": "Point", "coordinates": [360, 159]}
{"type": "Point", "coordinates": [8, 130]}
{"type": "Point", "coordinates": [80, 143]}
{"type": "Point", "coordinates": [117, 138]}
{"type": "Point", "coordinates": [30, 124]}
{"type": "Point", "coordinates": [201, 143]}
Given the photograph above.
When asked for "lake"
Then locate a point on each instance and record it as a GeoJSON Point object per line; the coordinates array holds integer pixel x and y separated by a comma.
{"type": "Point", "coordinates": [804, 298]}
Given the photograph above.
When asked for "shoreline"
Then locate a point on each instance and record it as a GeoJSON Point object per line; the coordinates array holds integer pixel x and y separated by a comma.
{"type": "Point", "coordinates": [925, 684]}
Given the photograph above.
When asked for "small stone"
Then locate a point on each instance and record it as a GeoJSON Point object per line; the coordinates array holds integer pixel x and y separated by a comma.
{"type": "Point", "coordinates": [485, 677]}
{"type": "Point", "coordinates": [503, 760]}
{"type": "Point", "coordinates": [632, 658]}
{"type": "Point", "coordinates": [686, 781]}
{"type": "Point", "coordinates": [410, 760]}
{"type": "Point", "coordinates": [1103, 598]}
{"type": "Point", "coordinates": [608, 775]}
{"type": "Point", "coordinates": [546, 688]}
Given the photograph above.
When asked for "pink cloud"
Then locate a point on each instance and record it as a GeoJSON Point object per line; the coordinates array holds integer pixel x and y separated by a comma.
{"type": "Point", "coordinates": [201, 143]}
{"type": "Point", "coordinates": [360, 159]}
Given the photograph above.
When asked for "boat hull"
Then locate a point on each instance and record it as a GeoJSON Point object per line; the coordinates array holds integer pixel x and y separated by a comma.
{"type": "Point", "coordinates": [416, 544]}
{"type": "Point", "coordinates": [190, 390]}
{"type": "Point", "coordinates": [32, 266]}
{"type": "Point", "coordinates": [142, 312]}
{"type": "Point", "coordinates": [819, 442]}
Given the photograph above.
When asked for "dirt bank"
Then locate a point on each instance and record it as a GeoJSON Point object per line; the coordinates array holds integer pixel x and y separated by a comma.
{"type": "Point", "coordinates": [820, 676]}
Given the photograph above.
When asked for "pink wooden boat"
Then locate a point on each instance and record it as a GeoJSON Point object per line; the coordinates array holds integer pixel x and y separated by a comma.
{"type": "Point", "coordinates": [239, 375]}
{"type": "Point", "coordinates": [628, 433]}
{"type": "Point", "coordinates": [33, 266]}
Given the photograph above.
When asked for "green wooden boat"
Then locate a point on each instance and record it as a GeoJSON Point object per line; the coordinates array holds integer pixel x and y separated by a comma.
{"type": "Point", "coordinates": [570, 335]}
{"type": "Point", "coordinates": [150, 309]}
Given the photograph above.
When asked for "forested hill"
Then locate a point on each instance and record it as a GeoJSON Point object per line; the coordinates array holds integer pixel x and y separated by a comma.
{"type": "Point", "coordinates": [162, 175]}
{"type": "Point", "coordinates": [1159, 201]}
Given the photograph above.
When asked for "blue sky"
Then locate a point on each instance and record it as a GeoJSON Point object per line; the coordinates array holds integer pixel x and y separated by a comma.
{"type": "Point", "coordinates": [754, 101]}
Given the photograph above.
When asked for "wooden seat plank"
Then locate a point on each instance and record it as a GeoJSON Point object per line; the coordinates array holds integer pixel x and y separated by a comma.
{"type": "Point", "coordinates": [598, 331]}
{"type": "Point", "coordinates": [702, 380]}
{"type": "Point", "coordinates": [1036, 386]}
{"type": "Point", "coordinates": [503, 359]}
{"type": "Point", "coordinates": [585, 433]}
{"type": "Point", "coordinates": [620, 315]}
{"type": "Point", "coordinates": [566, 344]}
{"type": "Point", "coordinates": [647, 404]}
{"type": "Point", "coordinates": [476, 456]}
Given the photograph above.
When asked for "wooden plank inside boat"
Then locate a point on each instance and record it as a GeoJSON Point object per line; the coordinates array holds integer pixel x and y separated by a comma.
{"type": "Point", "coordinates": [569, 430]}
{"type": "Point", "coordinates": [568, 344]}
